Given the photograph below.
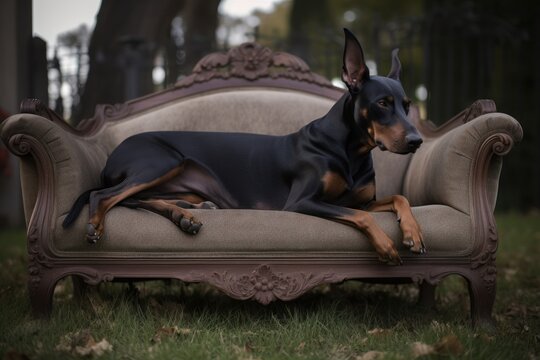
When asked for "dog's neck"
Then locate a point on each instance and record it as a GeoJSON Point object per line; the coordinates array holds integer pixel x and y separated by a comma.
{"type": "Point", "coordinates": [359, 141]}
{"type": "Point", "coordinates": [339, 134]}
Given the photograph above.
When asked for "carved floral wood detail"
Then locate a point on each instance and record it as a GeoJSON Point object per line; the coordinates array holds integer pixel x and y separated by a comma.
{"type": "Point", "coordinates": [264, 285]}
{"type": "Point", "coordinates": [251, 61]}
{"type": "Point", "coordinates": [477, 108]}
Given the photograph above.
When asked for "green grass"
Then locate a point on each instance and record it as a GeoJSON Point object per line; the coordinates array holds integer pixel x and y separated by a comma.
{"type": "Point", "coordinates": [330, 322]}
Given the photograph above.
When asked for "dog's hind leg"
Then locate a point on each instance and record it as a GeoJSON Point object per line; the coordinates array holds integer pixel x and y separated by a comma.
{"type": "Point", "coordinates": [169, 209]}
{"type": "Point", "coordinates": [101, 201]}
{"type": "Point", "coordinates": [193, 201]}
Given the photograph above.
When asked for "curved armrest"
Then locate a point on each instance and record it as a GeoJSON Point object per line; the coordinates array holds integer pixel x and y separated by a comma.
{"type": "Point", "coordinates": [462, 164]}
{"type": "Point", "coordinates": [56, 165]}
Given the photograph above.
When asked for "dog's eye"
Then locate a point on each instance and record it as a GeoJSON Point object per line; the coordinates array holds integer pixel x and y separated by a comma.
{"type": "Point", "coordinates": [382, 103]}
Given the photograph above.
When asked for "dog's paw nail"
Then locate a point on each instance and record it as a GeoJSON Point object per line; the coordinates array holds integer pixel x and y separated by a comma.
{"type": "Point", "coordinates": [408, 243]}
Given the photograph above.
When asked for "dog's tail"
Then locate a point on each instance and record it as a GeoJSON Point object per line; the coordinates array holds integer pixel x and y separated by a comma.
{"type": "Point", "coordinates": [76, 208]}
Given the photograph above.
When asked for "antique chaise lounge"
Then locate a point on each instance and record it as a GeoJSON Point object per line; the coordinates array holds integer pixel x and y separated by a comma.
{"type": "Point", "coordinates": [451, 182]}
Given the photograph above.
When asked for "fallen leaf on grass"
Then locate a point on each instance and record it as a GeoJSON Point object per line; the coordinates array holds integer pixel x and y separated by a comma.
{"type": "Point", "coordinates": [440, 327]}
{"type": "Point", "coordinates": [484, 337]}
{"type": "Point", "coordinates": [419, 349]}
{"type": "Point", "coordinates": [167, 332]}
{"type": "Point", "coordinates": [93, 348]}
{"type": "Point", "coordinates": [379, 331]}
{"type": "Point", "coordinates": [244, 352]}
{"type": "Point", "coordinates": [371, 355]}
{"type": "Point", "coordinates": [509, 274]}
{"type": "Point", "coordinates": [448, 345]}
{"type": "Point", "coordinates": [69, 341]}
{"type": "Point", "coordinates": [516, 310]}
{"type": "Point", "coordinates": [82, 343]}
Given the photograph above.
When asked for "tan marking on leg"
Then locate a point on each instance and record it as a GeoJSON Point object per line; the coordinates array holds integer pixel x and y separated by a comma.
{"type": "Point", "coordinates": [191, 198]}
{"type": "Point", "coordinates": [412, 233]}
{"type": "Point", "coordinates": [167, 207]}
{"type": "Point", "coordinates": [106, 204]}
{"type": "Point", "coordinates": [179, 216]}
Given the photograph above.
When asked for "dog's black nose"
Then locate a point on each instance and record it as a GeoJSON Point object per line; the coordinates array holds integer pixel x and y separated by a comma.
{"type": "Point", "coordinates": [414, 141]}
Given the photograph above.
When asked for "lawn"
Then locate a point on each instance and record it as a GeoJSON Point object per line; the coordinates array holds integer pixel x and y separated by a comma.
{"type": "Point", "coordinates": [171, 320]}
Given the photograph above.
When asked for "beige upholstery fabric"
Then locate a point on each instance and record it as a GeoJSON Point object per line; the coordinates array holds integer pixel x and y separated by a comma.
{"type": "Point", "coordinates": [389, 172]}
{"type": "Point", "coordinates": [446, 231]}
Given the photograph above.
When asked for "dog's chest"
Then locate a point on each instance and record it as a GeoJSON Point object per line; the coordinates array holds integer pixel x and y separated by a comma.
{"type": "Point", "coordinates": [333, 185]}
{"type": "Point", "coordinates": [353, 186]}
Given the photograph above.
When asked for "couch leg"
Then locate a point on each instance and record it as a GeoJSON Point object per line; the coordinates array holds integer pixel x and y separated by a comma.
{"type": "Point", "coordinates": [482, 298]}
{"type": "Point", "coordinates": [79, 287]}
{"type": "Point", "coordinates": [41, 292]}
{"type": "Point", "coordinates": [426, 298]}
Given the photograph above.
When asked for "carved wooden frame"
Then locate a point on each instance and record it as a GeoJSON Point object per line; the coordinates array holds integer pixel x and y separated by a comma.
{"type": "Point", "coordinates": [261, 278]}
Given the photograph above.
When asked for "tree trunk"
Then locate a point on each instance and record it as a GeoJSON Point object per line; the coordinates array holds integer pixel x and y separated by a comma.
{"type": "Point", "coordinates": [201, 21]}
{"type": "Point", "coordinates": [127, 35]}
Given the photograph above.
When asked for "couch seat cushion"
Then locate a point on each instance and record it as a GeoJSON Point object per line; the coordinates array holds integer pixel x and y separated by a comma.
{"type": "Point", "coordinates": [129, 232]}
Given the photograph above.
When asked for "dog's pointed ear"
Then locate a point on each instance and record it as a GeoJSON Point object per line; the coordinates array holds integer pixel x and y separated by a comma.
{"type": "Point", "coordinates": [355, 70]}
{"type": "Point", "coordinates": [396, 66]}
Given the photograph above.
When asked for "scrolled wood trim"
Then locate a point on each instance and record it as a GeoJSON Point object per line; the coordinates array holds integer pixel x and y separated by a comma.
{"type": "Point", "coordinates": [38, 107]}
{"type": "Point", "coordinates": [477, 108]}
{"type": "Point", "coordinates": [40, 225]}
{"type": "Point", "coordinates": [486, 237]}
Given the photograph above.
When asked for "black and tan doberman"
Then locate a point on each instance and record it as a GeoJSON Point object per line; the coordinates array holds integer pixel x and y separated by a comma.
{"type": "Point", "coordinates": [325, 169]}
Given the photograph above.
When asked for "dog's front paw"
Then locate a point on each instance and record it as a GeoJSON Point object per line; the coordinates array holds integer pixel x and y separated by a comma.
{"type": "Point", "coordinates": [412, 235]}
{"type": "Point", "coordinates": [386, 250]}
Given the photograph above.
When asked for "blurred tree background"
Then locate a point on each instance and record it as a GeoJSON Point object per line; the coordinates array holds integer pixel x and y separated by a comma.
{"type": "Point", "coordinates": [453, 52]}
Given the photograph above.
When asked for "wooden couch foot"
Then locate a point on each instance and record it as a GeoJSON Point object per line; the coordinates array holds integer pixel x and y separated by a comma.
{"type": "Point", "coordinates": [80, 287]}
{"type": "Point", "coordinates": [482, 298]}
{"type": "Point", "coordinates": [426, 298]}
{"type": "Point", "coordinates": [41, 296]}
